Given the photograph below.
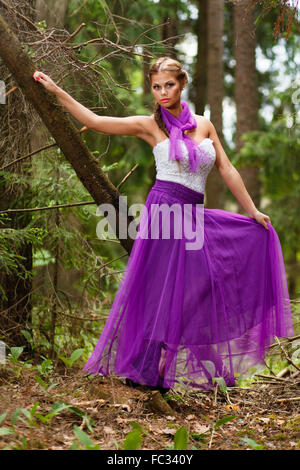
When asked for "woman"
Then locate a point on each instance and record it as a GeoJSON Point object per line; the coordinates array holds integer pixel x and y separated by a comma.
{"type": "Point", "coordinates": [184, 313]}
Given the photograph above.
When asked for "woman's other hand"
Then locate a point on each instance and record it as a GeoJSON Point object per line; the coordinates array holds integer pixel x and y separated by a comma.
{"type": "Point", "coordinates": [262, 219]}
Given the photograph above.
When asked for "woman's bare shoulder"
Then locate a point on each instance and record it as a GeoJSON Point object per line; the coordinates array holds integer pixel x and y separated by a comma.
{"type": "Point", "coordinates": [204, 123]}
{"type": "Point", "coordinates": [202, 119]}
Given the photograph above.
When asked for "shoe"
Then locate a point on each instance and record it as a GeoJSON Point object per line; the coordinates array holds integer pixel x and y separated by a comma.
{"type": "Point", "coordinates": [162, 390]}
{"type": "Point", "coordinates": [132, 384]}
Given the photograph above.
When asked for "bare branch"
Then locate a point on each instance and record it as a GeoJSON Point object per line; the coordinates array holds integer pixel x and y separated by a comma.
{"type": "Point", "coordinates": [64, 42]}
{"type": "Point", "coordinates": [286, 354]}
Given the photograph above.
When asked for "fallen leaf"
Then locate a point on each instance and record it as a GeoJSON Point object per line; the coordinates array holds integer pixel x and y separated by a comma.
{"type": "Point", "coordinates": [200, 428]}
{"type": "Point", "coordinates": [123, 406]}
{"type": "Point", "coordinates": [264, 420]}
{"type": "Point", "coordinates": [232, 407]}
{"type": "Point", "coordinates": [90, 402]}
{"type": "Point", "coordinates": [108, 430]}
{"type": "Point", "coordinates": [122, 420]}
{"type": "Point", "coordinates": [190, 417]}
{"type": "Point", "coordinates": [170, 418]}
{"type": "Point", "coordinates": [170, 431]}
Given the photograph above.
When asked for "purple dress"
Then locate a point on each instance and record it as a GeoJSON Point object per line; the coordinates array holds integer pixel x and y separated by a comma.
{"type": "Point", "coordinates": [186, 314]}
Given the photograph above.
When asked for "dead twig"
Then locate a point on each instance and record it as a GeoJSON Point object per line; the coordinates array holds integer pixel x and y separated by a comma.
{"type": "Point", "coordinates": [105, 41]}
{"type": "Point", "coordinates": [127, 176]}
{"type": "Point", "coordinates": [11, 90]}
{"type": "Point", "coordinates": [57, 206]}
{"type": "Point", "coordinates": [281, 400]}
{"type": "Point", "coordinates": [216, 395]}
{"type": "Point", "coordinates": [64, 42]}
{"type": "Point", "coordinates": [283, 372]}
{"type": "Point", "coordinates": [286, 355]}
{"type": "Point", "coordinates": [286, 340]}
{"type": "Point", "coordinates": [269, 377]}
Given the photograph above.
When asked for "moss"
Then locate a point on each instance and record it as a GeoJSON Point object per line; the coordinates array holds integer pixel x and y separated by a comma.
{"type": "Point", "coordinates": [246, 432]}
{"type": "Point", "coordinates": [198, 437]}
{"type": "Point", "coordinates": [34, 444]}
{"type": "Point", "coordinates": [294, 424]}
{"type": "Point", "coordinates": [279, 437]}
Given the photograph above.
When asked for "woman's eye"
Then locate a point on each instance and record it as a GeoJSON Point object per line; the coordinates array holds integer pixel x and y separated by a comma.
{"type": "Point", "coordinates": [156, 87]}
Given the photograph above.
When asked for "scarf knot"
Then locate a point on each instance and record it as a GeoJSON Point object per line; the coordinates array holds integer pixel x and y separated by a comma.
{"type": "Point", "coordinates": [176, 127]}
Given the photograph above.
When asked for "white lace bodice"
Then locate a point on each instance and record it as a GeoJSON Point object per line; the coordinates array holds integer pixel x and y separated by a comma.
{"type": "Point", "coordinates": [169, 170]}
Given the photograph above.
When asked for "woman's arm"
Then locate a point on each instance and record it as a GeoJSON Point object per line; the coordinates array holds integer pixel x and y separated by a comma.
{"type": "Point", "coordinates": [132, 125]}
{"type": "Point", "coordinates": [234, 180]}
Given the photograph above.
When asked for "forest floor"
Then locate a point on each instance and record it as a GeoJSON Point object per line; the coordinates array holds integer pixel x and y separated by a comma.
{"type": "Point", "coordinates": [71, 410]}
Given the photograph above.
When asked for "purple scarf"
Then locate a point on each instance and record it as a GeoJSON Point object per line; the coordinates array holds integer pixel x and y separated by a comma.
{"type": "Point", "coordinates": [176, 127]}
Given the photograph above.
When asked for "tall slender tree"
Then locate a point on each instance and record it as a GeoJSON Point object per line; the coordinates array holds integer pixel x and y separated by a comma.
{"type": "Point", "coordinates": [246, 94]}
{"type": "Point", "coordinates": [215, 187]}
{"type": "Point", "coordinates": [198, 90]}
{"type": "Point", "coordinates": [169, 32]}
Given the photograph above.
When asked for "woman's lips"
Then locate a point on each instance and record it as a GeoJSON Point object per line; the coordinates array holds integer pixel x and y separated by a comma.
{"type": "Point", "coordinates": [164, 100]}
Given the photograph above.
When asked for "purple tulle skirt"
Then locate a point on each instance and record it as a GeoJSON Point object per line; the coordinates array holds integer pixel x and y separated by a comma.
{"type": "Point", "coordinates": [190, 316]}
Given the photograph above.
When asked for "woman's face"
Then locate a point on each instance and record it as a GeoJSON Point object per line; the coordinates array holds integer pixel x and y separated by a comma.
{"type": "Point", "coordinates": [166, 89]}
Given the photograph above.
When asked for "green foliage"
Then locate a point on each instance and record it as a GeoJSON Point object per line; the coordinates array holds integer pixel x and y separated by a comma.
{"type": "Point", "coordinates": [3, 416]}
{"type": "Point", "coordinates": [46, 381]}
{"type": "Point", "coordinates": [46, 367]}
{"type": "Point", "coordinates": [74, 357]}
{"type": "Point", "coordinates": [132, 440]}
{"type": "Point", "coordinates": [30, 415]}
{"type": "Point", "coordinates": [15, 353]}
{"type": "Point", "coordinates": [181, 439]}
{"type": "Point", "coordinates": [5, 431]}
{"type": "Point", "coordinates": [42, 25]}
{"type": "Point", "coordinates": [223, 420]}
{"type": "Point", "coordinates": [221, 383]}
{"type": "Point", "coordinates": [14, 358]}
{"type": "Point", "coordinates": [11, 262]}
{"type": "Point", "coordinates": [58, 407]}
{"type": "Point", "coordinates": [252, 443]}
{"type": "Point", "coordinates": [29, 338]}
{"type": "Point", "coordinates": [84, 439]}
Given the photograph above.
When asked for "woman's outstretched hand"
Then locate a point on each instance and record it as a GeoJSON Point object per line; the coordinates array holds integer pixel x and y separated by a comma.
{"type": "Point", "coordinates": [45, 80]}
{"type": "Point", "coordinates": [262, 219]}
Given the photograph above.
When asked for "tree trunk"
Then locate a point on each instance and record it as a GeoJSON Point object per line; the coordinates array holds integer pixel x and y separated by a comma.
{"type": "Point", "coordinates": [52, 11]}
{"type": "Point", "coordinates": [198, 90]}
{"type": "Point", "coordinates": [16, 306]}
{"type": "Point", "coordinates": [63, 130]}
{"type": "Point", "coordinates": [169, 30]}
{"type": "Point", "coordinates": [215, 187]}
{"type": "Point", "coordinates": [246, 96]}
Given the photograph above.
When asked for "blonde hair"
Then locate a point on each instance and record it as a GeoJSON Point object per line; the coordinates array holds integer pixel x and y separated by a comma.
{"type": "Point", "coordinates": [166, 64]}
